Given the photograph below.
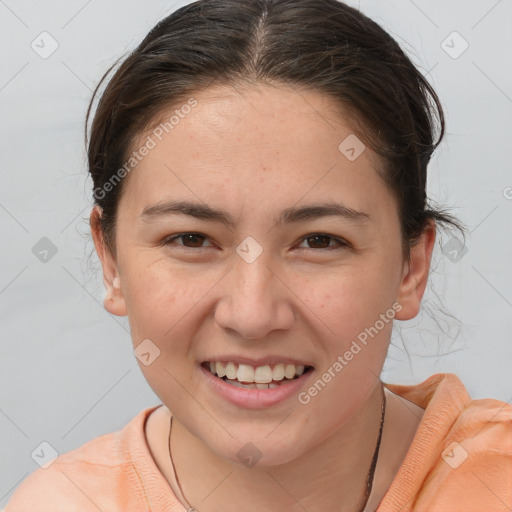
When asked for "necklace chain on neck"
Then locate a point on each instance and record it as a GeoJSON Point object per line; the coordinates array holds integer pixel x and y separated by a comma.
{"type": "Point", "coordinates": [369, 477]}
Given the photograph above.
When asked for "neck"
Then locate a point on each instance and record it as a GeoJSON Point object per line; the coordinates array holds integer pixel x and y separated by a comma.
{"type": "Point", "coordinates": [330, 476]}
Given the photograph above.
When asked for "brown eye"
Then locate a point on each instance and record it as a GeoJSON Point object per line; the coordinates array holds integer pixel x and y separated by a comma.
{"type": "Point", "coordinates": [321, 241]}
{"type": "Point", "coordinates": [190, 240]}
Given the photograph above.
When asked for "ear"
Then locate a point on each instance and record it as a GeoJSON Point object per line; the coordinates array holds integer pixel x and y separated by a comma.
{"type": "Point", "coordinates": [114, 300]}
{"type": "Point", "coordinates": [415, 275]}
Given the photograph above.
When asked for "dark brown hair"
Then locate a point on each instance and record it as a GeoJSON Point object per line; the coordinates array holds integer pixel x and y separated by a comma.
{"type": "Point", "coordinates": [320, 45]}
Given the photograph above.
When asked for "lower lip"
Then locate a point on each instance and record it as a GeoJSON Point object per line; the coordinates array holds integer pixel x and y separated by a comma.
{"type": "Point", "coordinates": [256, 398]}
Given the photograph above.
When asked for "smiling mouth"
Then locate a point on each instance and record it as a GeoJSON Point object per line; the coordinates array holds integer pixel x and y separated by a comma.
{"type": "Point", "coordinates": [249, 377]}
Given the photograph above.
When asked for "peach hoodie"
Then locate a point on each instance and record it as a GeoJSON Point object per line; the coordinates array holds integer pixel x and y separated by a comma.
{"type": "Point", "coordinates": [460, 460]}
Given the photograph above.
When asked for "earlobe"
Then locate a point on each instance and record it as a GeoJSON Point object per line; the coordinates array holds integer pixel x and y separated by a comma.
{"type": "Point", "coordinates": [114, 300]}
{"type": "Point", "coordinates": [416, 272]}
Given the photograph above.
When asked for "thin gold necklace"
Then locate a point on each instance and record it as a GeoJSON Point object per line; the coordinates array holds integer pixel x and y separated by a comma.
{"type": "Point", "coordinates": [369, 477]}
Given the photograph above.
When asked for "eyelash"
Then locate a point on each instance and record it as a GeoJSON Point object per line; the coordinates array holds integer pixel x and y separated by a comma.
{"type": "Point", "coordinates": [342, 244]}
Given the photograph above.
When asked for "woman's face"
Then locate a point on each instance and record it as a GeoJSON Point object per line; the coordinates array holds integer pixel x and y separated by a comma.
{"type": "Point", "coordinates": [263, 288]}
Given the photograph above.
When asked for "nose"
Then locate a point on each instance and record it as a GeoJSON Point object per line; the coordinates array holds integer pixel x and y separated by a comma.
{"type": "Point", "coordinates": [254, 300]}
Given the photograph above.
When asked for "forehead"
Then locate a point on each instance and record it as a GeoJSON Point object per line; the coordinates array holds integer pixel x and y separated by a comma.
{"type": "Point", "coordinates": [281, 139]}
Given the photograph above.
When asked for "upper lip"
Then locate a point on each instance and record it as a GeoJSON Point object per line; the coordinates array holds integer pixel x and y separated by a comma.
{"type": "Point", "coordinates": [261, 361]}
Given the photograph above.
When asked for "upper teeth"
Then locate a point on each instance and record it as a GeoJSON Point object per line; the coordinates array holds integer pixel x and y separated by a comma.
{"type": "Point", "coordinates": [260, 374]}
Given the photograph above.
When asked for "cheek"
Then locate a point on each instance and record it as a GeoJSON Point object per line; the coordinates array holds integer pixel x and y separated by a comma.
{"type": "Point", "coordinates": [351, 300]}
{"type": "Point", "coordinates": [163, 299]}
{"type": "Point", "coordinates": [162, 304]}
{"type": "Point", "coordinates": [153, 296]}
{"type": "Point", "coordinates": [354, 314]}
{"type": "Point", "coordinates": [151, 302]}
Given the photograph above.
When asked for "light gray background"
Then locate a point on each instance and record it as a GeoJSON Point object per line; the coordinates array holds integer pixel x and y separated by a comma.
{"type": "Point", "coordinates": [67, 368]}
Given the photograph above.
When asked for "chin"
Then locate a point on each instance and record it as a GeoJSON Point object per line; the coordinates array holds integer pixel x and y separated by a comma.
{"type": "Point", "coordinates": [253, 451]}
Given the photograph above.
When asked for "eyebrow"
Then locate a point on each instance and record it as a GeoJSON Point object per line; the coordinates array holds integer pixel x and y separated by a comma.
{"type": "Point", "coordinates": [288, 216]}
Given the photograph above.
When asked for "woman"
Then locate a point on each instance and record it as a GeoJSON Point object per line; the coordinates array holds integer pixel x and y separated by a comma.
{"type": "Point", "coordinates": [261, 218]}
